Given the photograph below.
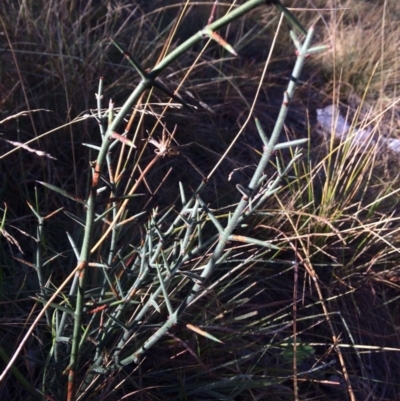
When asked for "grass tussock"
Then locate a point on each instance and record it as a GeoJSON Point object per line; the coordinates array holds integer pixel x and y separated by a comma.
{"type": "Point", "coordinates": [302, 301]}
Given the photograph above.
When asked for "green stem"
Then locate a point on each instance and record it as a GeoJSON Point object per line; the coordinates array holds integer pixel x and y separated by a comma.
{"type": "Point", "coordinates": [147, 82]}
{"type": "Point", "coordinates": [218, 253]}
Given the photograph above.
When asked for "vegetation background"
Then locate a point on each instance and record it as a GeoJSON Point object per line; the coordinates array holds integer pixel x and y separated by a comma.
{"type": "Point", "coordinates": [317, 319]}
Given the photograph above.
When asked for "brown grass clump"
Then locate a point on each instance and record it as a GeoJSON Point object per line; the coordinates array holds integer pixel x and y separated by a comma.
{"type": "Point", "coordinates": [316, 319]}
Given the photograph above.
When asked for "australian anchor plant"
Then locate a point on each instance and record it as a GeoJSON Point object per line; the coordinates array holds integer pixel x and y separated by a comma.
{"type": "Point", "coordinates": [127, 290]}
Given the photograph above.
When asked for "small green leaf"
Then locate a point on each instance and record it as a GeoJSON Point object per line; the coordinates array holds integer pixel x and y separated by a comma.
{"type": "Point", "coordinates": [222, 42]}
{"type": "Point", "coordinates": [254, 241]}
{"type": "Point", "coordinates": [55, 306]}
{"type": "Point", "coordinates": [203, 333]}
{"type": "Point", "coordinates": [62, 192]}
{"type": "Point", "coordinates": [288, 144]}
{"type": "Point", "coordinates": [122, 139]}
{"type": "Point", "coordinates": [303, 351]}
{"type": "Point", "coordinates": [195, 277]}
{"type": "Point", "coordinates": [318, 49]}
{"type": "Point", "coordinates": [155, 305]}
